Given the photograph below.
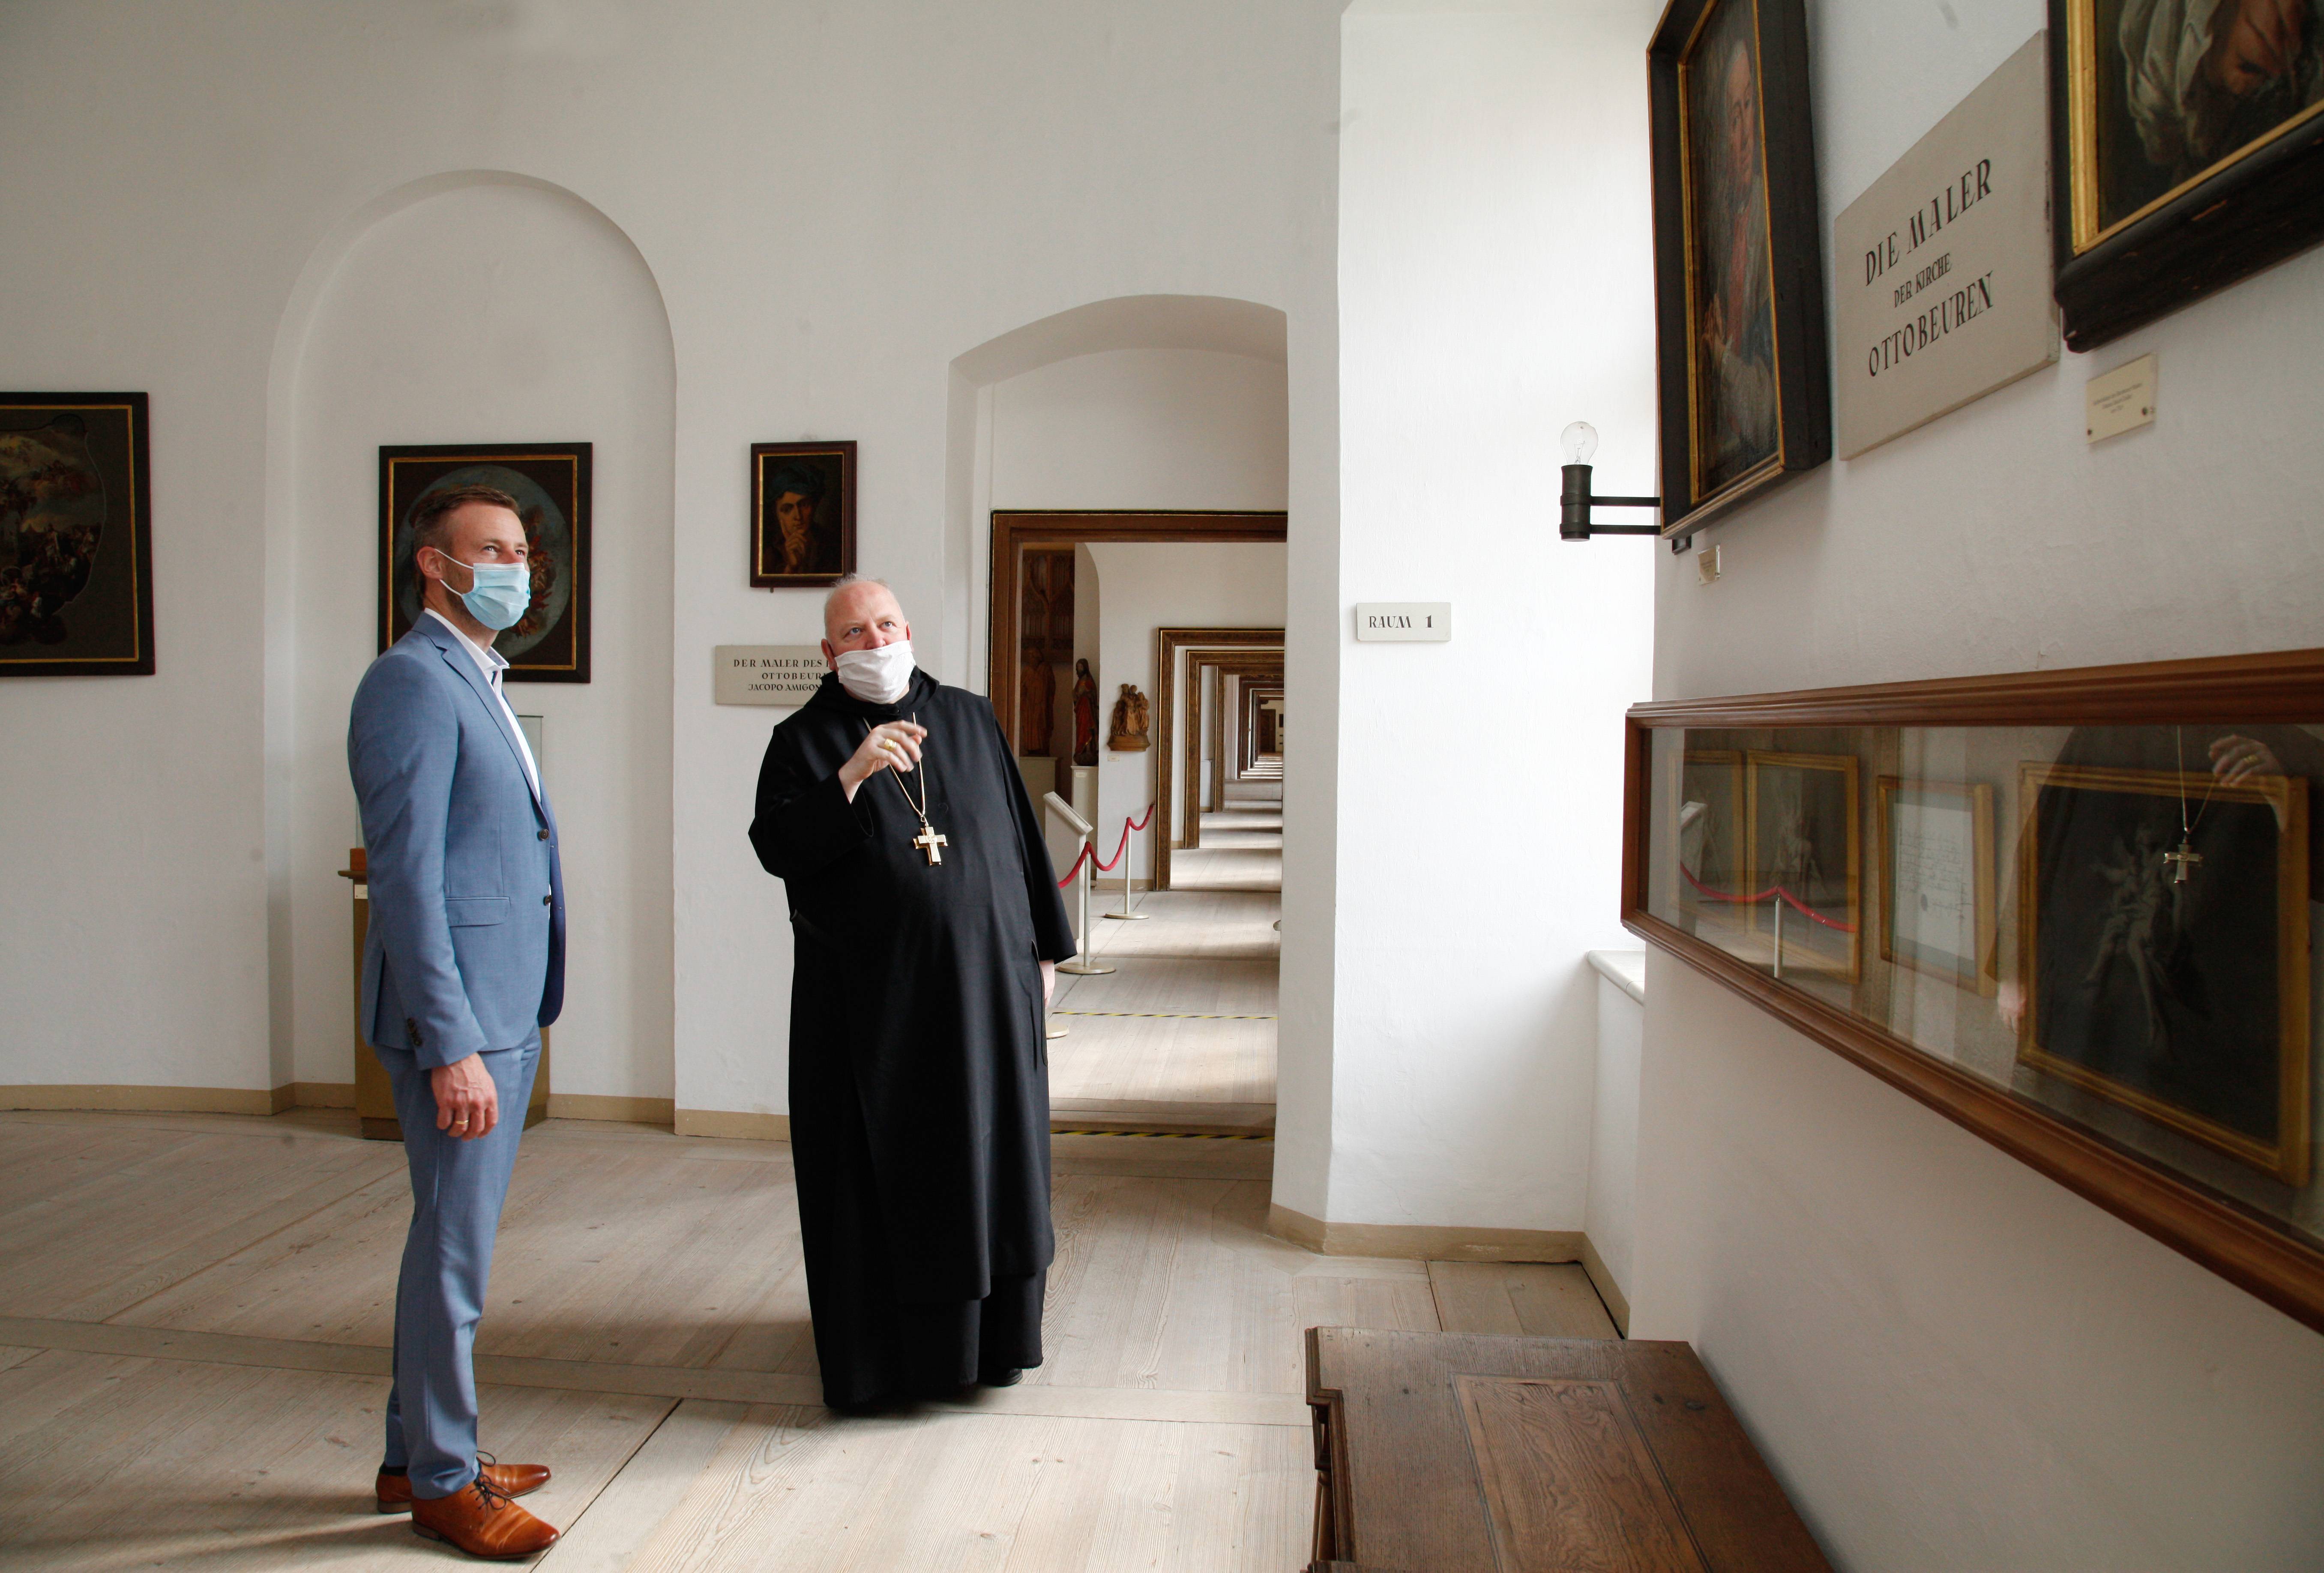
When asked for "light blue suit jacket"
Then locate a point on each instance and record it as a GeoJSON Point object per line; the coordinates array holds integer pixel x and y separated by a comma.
{"type": "Point", "coordinates": [467, 946]}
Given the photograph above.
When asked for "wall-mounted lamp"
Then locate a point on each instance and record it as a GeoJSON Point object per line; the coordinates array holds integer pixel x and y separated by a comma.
{"type": "Point", "coordinates": [1574, 523]}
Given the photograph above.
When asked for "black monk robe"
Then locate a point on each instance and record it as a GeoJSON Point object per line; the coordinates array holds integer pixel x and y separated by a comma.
{"type": "Point", "coordinates": [918, 1062]}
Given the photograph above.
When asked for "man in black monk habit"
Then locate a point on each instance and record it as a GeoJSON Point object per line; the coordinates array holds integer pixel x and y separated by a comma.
{"type": "Point", "coordinates": [926, 928]}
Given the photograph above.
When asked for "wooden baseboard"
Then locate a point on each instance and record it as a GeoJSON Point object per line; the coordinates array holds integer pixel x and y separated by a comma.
{"type": "Point", "coordinates": [149, 1100]}
{"type": "Point", "coordinates": [321, 1094]}
{"type": "Point", "coordinates": [731, 1124]}
{"type": "Point", "coordinates": [661, 1111]}
{"type": "Point", "coordinates": [1424, 1242]}
{"type": "Point", "coordinates": [1618, 1304]}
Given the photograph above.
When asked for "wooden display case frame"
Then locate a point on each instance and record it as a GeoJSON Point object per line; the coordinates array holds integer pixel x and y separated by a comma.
{"type": "Point", "coordinates": [2255, 1252]}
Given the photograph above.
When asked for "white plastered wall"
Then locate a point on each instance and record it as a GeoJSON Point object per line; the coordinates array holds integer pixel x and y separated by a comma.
{"type": "Point", "coordinates": [451, 319]}
{"type": "Point", "coordinates": [1953, 1363]}
{"type": "Point", "coordinates": [1494, 279]}
{"type": "Point", "coordinates": [832, 241]}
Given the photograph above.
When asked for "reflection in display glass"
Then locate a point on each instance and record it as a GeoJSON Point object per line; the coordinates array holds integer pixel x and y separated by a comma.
{"type": "Point", "coordinates": [2111, 922]}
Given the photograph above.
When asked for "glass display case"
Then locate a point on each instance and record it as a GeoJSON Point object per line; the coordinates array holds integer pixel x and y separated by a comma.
{"type": "Point", "coordinates": [2071, 910]}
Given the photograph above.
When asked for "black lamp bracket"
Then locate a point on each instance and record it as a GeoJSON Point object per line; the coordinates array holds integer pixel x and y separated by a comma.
{"type": "Point", "coordinates": [1573, 522]}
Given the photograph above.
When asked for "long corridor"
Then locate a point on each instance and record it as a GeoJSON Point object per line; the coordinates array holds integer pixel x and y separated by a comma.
{"type": "Point", "coordinates": [1182, 1034]}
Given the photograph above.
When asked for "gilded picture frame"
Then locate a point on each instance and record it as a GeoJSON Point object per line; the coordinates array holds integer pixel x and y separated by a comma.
{"type": "Point", "coordinates": [802, 514]}
{"type": "Point", "coordinates": [75, 536]}
{"type": "Point", "coordinates": [1743, 381]}
{"type": "Point", "coordinates": [2124, 963]}
{"type": "Point", "coordinates": [1944, 857]}
{"type": "Point", "coordinates": [2187, 152]}
{"type": "Point", "coordinates": [551, 485]}
{"type": "Point", "coordinates": [1804, 839]}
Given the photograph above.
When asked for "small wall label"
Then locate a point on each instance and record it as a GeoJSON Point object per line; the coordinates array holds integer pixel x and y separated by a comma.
{"type": "Point", "coordinates": [1404, 621]}
{"type": "Point", "coordinates": [784, 675]}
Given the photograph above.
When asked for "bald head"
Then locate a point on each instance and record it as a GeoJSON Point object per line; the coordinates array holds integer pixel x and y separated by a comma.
{"type": "Point", "coordinates": [861, 614]}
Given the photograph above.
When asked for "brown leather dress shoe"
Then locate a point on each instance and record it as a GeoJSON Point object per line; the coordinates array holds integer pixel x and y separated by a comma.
{"type": "Point", "coordinates": [394, 1491]}
{"type": "Point", "coordinates": [481, 1521]}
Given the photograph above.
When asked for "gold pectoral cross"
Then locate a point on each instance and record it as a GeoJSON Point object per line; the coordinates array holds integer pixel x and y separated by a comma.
{"type": "Point", "coordinates": [930, 842]}
{"type": "Point", "coordinates": [2181, 860]}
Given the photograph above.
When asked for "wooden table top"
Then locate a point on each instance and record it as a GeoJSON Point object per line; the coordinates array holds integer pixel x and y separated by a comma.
{"type": "Point", "coordinates": [1445, 1452]}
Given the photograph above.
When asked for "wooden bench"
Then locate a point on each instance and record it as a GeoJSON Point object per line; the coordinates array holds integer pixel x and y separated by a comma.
{"type": "Point", "coordinates": [1447, 1452]}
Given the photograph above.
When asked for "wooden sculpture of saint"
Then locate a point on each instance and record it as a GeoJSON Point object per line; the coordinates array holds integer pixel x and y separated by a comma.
{"type": "Point", "coordinates": [926, 928]}
{"type": "Point", "coordinates": [1085, 714]}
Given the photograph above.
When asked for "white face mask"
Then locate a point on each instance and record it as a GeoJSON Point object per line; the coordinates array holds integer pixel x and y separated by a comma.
{"type": "Point", "coordinates": [876, 677]}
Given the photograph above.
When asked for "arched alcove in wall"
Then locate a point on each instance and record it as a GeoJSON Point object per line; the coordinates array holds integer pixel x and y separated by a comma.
{"type": "Point", "coordinates": [477, 306]}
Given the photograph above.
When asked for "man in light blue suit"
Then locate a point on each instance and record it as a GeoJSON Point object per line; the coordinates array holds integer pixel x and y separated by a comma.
{"type": "Point", "coordinates": [464, 965]}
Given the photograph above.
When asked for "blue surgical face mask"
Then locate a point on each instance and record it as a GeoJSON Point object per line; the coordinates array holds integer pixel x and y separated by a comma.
{"type": "Point", "coordinates": [500, 595]}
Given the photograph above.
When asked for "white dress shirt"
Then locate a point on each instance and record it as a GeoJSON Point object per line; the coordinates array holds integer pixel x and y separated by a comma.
{"type": "Point", "coordinates": [492, 664]}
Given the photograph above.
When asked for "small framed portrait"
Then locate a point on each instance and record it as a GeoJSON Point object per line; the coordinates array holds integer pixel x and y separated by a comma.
{"type": "Point", "coordinates": [550, 483]}
{"type": "Point", "coordinates": [1744, 394]}
{"type": "Point", "coordinates": [1935, 866]}
{"type": "Point", "coordinates": [1802, 857]}
{"type": "Point", "coordinates": [2185, 142]}
{"type": "Point", "coordinates": [2163, 940]}
{"type": "Point", "coordinates": [802, 513]}
{"type": "Point", "coordinates": [75, 536]}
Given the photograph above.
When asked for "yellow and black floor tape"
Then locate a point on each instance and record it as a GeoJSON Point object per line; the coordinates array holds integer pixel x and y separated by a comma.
{"type": "Point", "coordinates": [1056, 1130]}
{"type": "Point", "coordinates": [1166, 1014]}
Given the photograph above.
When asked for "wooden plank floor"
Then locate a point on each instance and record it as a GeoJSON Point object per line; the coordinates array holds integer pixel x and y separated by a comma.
{"type": "Point", "coordinates": [192, 1359]}
{"type": "Point", "coordinates": [1189, 1017]}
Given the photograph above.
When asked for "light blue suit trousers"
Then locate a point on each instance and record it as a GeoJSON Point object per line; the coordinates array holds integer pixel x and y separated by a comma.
{"type": "Point", "coordinates": [457, 1189]}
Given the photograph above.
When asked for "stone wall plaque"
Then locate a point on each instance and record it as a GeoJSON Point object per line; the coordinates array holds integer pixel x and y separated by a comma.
{"type": "Point", "coordinates": [1943, 268]}
{"type": "Point", "coordinates": [784, 675]}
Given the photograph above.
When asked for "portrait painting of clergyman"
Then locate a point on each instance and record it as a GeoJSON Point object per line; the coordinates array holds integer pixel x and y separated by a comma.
{"type": "Point", "coordinates": [2183, 87]}
{"type": "Point", "coordinates": [2164, 938]}
{"type": "Point", "coordinates": [550, 483]}
{"type": "Point", "coordinates": [1730, 292]}
{"type": "Point", "coordinates": [802, 513]}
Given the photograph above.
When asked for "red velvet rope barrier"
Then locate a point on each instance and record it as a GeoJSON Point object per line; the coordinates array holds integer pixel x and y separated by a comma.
{"type": "Point", "coordinates": [1792, 901]}
{"type": "Point", "coordinates": [1089, 851]}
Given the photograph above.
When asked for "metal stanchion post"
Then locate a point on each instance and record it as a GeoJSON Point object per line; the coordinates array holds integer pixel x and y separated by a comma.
{"type": "Point", "coordinates": [1779, 936]}
{"type": "Point", "coordinates": [1125, 915]}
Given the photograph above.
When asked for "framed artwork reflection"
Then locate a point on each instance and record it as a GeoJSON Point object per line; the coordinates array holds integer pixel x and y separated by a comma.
{"type": "Point", "coordinates": [2187, 150]}
{"type": "Point", "coordinates": [1744, 391]}
{"type": "Point", "coordinates": [1934, 842]}
{"type": "Point", "coordinates": [1804, 844]}
{"type": "Point", "coordinates": [2163, 938]}
{"type": "Point", "coordinates": [802, 513]}
{"type": "Point", "coordinates": [1710, 849]}
{"type": "Point", "coordinates": [550, 483]}
{"type": "Point", "coordinates": [75, 536]}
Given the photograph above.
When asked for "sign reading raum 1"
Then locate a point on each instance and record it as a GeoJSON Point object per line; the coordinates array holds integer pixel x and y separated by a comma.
{"type": "Point", "coordinates": [785, 674]}
{"type": "Point", "coordinates": [1943, 265]}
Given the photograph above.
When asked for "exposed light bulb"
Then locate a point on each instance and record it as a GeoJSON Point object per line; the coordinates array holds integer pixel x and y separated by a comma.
{"type": "Point", "coordinates": [1581, 440]}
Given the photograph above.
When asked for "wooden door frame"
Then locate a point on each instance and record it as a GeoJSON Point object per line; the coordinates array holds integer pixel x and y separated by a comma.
{"type": "Point", "coordinates": [1227, 664]}
{"type": "Point", "coordinates": [1254, 700]}
{"type": "Point", "coordinates": [1168, 643]}
{"type": "Point", "coordinates": [1015, 528]}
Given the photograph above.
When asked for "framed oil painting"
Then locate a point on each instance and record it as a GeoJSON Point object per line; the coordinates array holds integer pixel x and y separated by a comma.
{"type": "Point", "coordinates": [1744, 390]}
{"type": "Point", "coordinates": [1710, 837]}
{"type": "Point", "coordinates": [1803, 849]}
{"type": "Point", "coordinates": [2187, 150]}
{"type": "Point", "coordinates": [550, 483]}
{"type": "Point", "coordinates": [1934, 842]}
{"type": "Point", "coordinates": [75, 536]}
{"type": "Point", "coordinates": [802, 513]}
{"type": "Point", "coordinates": [2164, 943]}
